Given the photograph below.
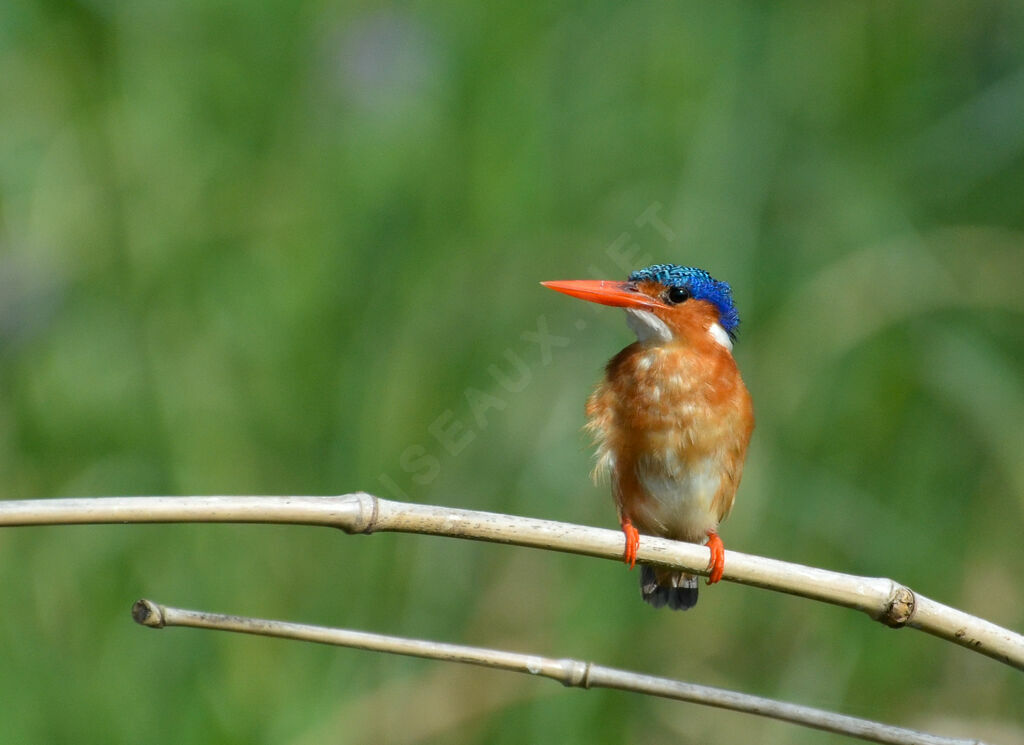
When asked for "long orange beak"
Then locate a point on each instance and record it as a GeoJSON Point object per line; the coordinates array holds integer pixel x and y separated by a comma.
{"type": "Point", "coordinates": [606, 292]}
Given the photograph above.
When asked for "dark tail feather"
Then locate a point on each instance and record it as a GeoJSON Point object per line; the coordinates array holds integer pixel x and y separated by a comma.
{"type": "Point", "coordinates": [668, 587]}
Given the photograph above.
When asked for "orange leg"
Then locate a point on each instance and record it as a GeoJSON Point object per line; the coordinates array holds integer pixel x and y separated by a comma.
{"type": "Point", "coordinates": [717, 563]}
{"type": "Point", "coordinates": [632, 542]}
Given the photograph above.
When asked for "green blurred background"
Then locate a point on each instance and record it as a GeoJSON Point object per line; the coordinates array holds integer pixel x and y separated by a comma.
{"type": "Point", "coordinates": [273, 248]}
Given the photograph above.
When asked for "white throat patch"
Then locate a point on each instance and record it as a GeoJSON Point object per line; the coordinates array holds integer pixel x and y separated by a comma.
{"type": "Point", "coordinates": [648, 327]}
{"type": "Point", "coordinates": [720, 335]}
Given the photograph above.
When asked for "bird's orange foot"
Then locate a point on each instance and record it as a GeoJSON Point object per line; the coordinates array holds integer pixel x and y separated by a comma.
{"type": "Point", "coordinates": [632, 542]}
{"type": "Point", "coordinates": [717, 564]}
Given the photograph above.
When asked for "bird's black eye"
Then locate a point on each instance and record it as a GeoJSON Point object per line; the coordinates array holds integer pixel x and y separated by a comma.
{"type": "Point", "coordinates": [676, 295]}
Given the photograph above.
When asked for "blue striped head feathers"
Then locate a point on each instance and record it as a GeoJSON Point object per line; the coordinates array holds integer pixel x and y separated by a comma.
{"type": "Point", "coordinates": [685, 282]}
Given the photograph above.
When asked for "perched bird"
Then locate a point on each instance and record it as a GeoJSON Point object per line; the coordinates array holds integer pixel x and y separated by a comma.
{"type": "Point", "coordinates": [672, 418]}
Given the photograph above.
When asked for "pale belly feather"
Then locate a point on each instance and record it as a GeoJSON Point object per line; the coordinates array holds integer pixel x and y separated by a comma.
{"type": "Point", "coordinates": [678, 497]}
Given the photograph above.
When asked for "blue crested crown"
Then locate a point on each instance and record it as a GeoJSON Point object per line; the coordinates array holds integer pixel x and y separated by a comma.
{"type": "Point", "coordinates": [700, 285]}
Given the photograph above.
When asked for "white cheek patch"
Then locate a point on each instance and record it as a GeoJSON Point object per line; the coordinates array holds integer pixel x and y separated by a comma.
{"type": "Point", "coordinates": [720, 335]}
{"type": "Point", "coordinates": [648, 327]}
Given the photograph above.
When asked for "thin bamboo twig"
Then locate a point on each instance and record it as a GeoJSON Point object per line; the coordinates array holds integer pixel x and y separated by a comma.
{"type": "Point", "coordinates": [882, 599]}
{"type": "Point", "coordinates": [569, 672]}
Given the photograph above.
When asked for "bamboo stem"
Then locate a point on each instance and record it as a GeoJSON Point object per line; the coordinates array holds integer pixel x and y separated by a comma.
{"type": "Point", "coordinates": [569, 672]}
{"type": "Point", "coordinates": [882, 599]}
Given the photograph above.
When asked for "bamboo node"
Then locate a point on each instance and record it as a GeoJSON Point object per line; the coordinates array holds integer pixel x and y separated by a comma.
{"type": "Point", "coordinates": [578, 674]}
{"type": "Point", "coordinates": [900, 608]}
{"type": "Point", "coordinates": [147, 613]}
{"type": "Point", "coordinates": [365, 520]}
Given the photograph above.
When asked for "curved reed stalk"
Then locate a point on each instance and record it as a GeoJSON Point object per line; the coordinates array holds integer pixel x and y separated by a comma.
{"type": "Point", "coordinates": [572, 673]}
{"type": "Point", "coordinates": [884, 600]}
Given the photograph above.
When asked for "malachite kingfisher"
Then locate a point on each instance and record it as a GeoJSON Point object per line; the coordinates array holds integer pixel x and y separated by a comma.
{"type": "Point", "coordinates": [672, 418]}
